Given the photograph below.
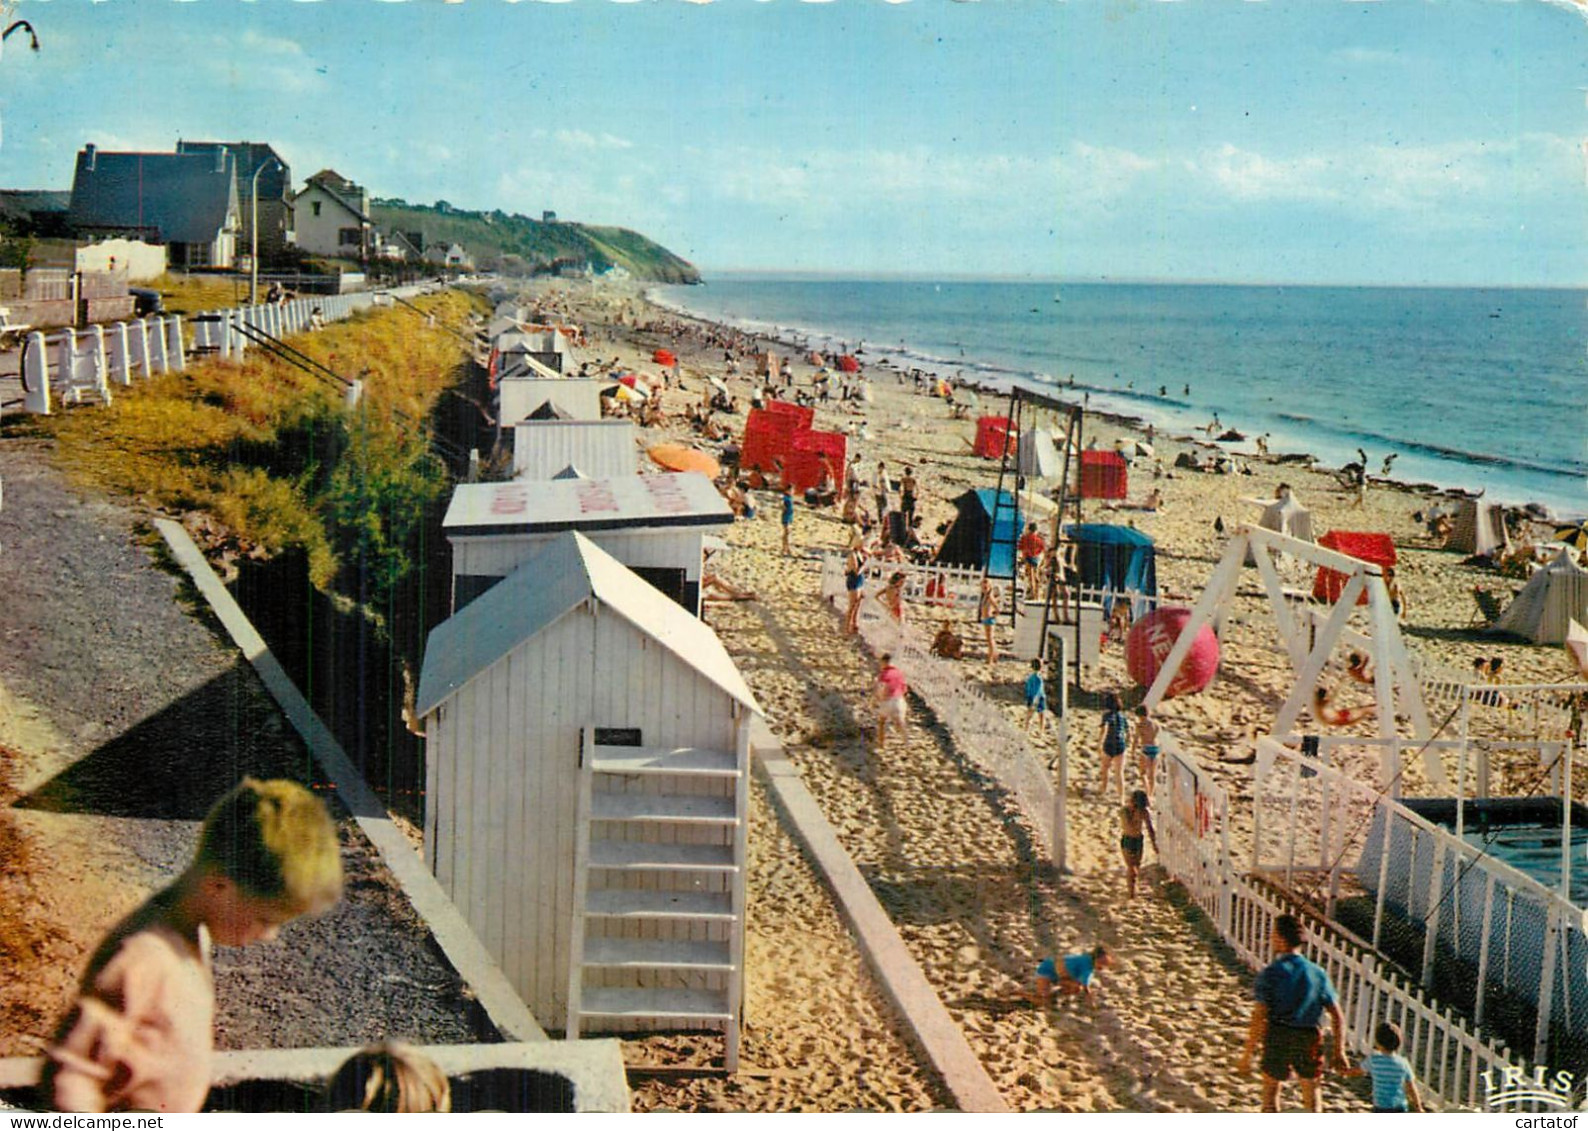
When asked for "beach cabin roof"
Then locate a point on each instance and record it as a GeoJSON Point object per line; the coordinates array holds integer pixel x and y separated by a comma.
{"type": "Point", "coordinates": [1114, 558]}
{"type": "Point", "coordinates": [602, 448]}
{"type": "Point", "coordinates": [559, 577]}
{"type": "Point", "coordinates": [1479, 528]}
{"type": "Point", "coordinates": [630, 501]}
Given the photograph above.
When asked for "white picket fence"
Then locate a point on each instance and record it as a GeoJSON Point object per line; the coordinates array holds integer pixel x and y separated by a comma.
{"type": "Point", "coordinates": [71, 366]}
{"type": "Point", "coordinates": [1449, 1058]}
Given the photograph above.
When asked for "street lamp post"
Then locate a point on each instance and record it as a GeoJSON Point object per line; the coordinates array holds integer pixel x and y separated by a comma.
{"type": "Point", "coordinates": [253, 234]}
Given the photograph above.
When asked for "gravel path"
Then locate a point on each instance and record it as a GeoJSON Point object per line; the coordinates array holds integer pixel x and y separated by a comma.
{"type": "Point", "coordinates": [123, 714]}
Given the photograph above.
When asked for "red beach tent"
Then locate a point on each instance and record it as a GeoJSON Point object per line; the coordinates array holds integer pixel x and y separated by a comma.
{"type": "Point", "coordinates": [993, 435]}
{"type": "Point", "coordinates": [1365, 546]}
{"type": "Point", "coordinates": [1103, 475]}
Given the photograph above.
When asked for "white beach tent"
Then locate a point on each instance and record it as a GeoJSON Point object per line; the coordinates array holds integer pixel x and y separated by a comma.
{"type": "Point", "coordinates": [587, 773]}
{"type": "Point", "coordinates": [1479, 529]}
{"type": "Point", "coordinates": [1543, 611]}
{"type": "Point", "coordinates": [1038, 456]}
{"type": "Point", "coordinates": [1283, 515]}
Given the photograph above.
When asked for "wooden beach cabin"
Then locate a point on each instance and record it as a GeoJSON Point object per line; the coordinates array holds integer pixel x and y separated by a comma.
{"type": "Point", "coordinates": [519, 397]}
{"type": "Point", "coordinates": [601, 449]}
{"type": "Point", "coordinates": [654, 524]}
{"type": "Point", "coordinates": [587, 751]}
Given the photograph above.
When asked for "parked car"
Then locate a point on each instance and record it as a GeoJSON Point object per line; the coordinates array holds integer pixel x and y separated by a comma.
{"type": "Point", "coordinates": [146, 301]}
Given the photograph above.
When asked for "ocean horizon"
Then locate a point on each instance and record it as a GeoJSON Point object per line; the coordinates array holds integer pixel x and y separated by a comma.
{"type": "Point", "coordinates": [1472, 387]}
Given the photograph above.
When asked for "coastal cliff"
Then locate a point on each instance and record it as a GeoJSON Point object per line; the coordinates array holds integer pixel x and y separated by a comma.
{"type": "Point", "coordinates": [517, 245]}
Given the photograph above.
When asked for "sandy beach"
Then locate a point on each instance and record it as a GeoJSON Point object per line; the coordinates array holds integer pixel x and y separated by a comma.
{"type": "Point", "coordinates": [955, 864]}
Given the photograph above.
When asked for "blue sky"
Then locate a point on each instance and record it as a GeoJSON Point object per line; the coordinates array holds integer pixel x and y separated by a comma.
{"type": "Point", "coordinates": [1398, 141]}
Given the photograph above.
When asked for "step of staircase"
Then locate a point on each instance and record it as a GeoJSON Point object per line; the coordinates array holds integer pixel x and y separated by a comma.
{"type": "Point", "coordinates": [655, 954]}
{"type": "Point", "coordinates": [671, 808]}
{"type": "Point", "coordinates": [683, 760]}
{"type": "Point", "coordinates": [642, 1002]}
{"type": "Point", "coordinates": [618, 904]}
{"type": "Point", "coordinates": [627, 855]}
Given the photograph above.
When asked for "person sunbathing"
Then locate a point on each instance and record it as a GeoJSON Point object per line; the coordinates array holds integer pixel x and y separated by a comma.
{"type": "Point", "coordinates": [1325, 710]}
{"type": "Point", "coordinates": [1359, 666]}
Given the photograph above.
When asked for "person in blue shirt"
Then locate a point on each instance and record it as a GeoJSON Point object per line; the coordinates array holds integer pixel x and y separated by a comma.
{"type": "Point", "coordinates": [1036, 697]}
{"type": "Point", "coordinates": [1293, 994]}
{"type": "Point", "coordinates": [1073, 975]}
{"type": "Point", "coordinates": [788, 516]}
{"type": "Point", "coordinates": [1394, 1088]}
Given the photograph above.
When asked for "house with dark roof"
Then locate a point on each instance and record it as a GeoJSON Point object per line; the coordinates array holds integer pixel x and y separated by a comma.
{"type": "Point", "coordinates": [331, 215]}
{"type": "Point", "coordinates": [258, 164]}
{"type": "Point", "coordinates": [186, 201]}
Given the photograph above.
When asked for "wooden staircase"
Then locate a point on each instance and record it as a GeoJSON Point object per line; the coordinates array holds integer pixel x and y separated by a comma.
{"type": "Point", "coordinates": [659, 889]}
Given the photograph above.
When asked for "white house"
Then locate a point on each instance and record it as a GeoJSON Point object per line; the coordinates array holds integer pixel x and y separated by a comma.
{"type": "Point", "coordinates": [654, 524]}
{"type": "Point", "coordinates": [332, 217]}
{"type": "Point", "coordinates": [587, 752]}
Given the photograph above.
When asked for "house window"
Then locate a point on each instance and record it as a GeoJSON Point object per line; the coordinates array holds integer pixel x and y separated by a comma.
{"type": "Point", "coordinates": [315, 205]}
{"type": "Point", "coordinates": [348, 237]}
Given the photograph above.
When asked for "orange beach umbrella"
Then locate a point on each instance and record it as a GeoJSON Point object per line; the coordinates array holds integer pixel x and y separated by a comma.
{"type": "Point", "coordinates": [681, 457]}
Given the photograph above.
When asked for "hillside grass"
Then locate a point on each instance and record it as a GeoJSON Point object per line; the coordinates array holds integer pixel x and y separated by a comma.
{"type": "Point", "coordinates": [273, 457]}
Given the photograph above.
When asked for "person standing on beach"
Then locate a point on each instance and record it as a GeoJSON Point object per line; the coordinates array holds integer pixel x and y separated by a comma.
{"type": "Point", "coordinates": [854, 579]}
{"type": "Point", "coordinates": [1146, 741]}
{"type": "Point", "coordinates": [890, 692]}
{"type": "Point", "coordinates": [1114, 734]}
{"type": "Point", "coordinates": [892, 598]}
{"type": "Point", "coordinates": [1293, 994]}
{"type": "Point", "coordinates": [987, 616]}
{"type": "Point", "coordinates": [881, 490]}
{"type": "Point", "coordinates": [907, 490]}
{"type": "Point", "coordinates": [1134, 820]}
{"type": "Point", "coordinates": [1033, 547]}
{"type": "Point", "coordinates": [1036, 690]}
{"type": "Point", "coordinates": [788, 516]}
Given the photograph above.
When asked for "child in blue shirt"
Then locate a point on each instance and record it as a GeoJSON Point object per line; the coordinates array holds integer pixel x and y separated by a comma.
{"type": "Point", "coordinates": [1394, 1089]}
{"type": "Point", "coordinates": [788, 515]}
{"type": "Point", "coordinates": [1036, 697]}
{"type": "Point", "coordinates": [1073, 975]}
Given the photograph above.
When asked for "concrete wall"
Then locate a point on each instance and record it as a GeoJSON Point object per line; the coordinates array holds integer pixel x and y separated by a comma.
{"type": "Point", "coordinates": [139, 261]}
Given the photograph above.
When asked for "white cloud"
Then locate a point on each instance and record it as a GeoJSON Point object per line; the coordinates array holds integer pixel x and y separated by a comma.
{"type": "Point", "coordinates": [1247, 176]}
{"type": "Point", "coordinates": [1367, 57]}
{"type": "Point", "coordinates": [583, 139]}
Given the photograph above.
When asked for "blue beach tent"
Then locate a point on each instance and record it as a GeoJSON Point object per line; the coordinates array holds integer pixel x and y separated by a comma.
{"type": "Point", "coordinates": [1115, 558]}
{"type": "Point", "coordinates": [973, 539]}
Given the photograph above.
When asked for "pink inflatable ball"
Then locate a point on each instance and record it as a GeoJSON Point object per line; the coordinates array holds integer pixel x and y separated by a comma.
{"type": "Point", "coordinates": [1148, 645]}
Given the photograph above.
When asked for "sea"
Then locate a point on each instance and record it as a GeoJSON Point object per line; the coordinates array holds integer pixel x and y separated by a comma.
{"type": "Point", "coordinates": [1482, 389]}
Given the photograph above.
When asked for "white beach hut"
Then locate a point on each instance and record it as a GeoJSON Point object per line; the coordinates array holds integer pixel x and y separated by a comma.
{"type": "Point", "coordinates": [587, 752]}
{"type": "Point", "coordinates": [601, 449]}
{"type": "Point", "coordinates": [579, 397]}
{"type": "Point", "coordinates": [654, 524]}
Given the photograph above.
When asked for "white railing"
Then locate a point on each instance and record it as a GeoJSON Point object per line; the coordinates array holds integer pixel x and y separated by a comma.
{"type": "Point", "coordinates": [73, 365]}
{"type": "Point", "coordinates": [1449, 1058]}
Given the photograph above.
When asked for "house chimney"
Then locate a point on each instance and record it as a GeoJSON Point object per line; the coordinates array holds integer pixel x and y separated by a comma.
{"type": "Point", "coordinates": [88, 156]}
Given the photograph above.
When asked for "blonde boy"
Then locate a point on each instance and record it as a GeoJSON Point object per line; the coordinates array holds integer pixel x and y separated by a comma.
{"type": "Point", "coordinates": [140, 1034]}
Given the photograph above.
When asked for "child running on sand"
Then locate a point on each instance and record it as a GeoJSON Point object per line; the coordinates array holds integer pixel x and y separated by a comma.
{"type": "Point", "coordinates": [140, 1035]}
{"type": "Point", "coordinates": [1133, 821]}
{"type": "Point", "coordinates": [1073, 975]}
